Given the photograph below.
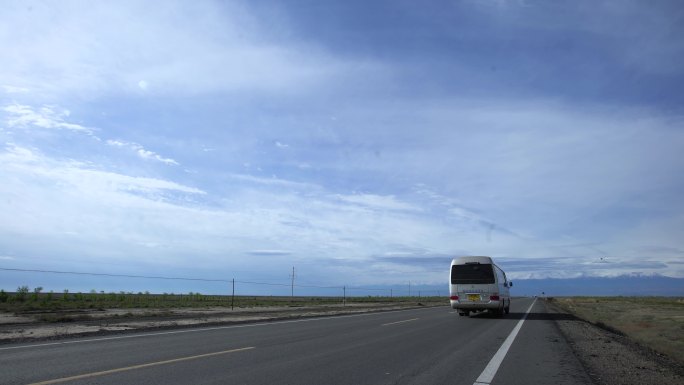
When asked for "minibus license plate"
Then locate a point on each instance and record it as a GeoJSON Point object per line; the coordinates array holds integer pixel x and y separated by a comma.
{"type": "Point", "coordinates": [473, 297]}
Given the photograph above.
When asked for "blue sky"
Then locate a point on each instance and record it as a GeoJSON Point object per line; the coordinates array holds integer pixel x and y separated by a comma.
{"type": "Point", "coordinates": [365, 143]}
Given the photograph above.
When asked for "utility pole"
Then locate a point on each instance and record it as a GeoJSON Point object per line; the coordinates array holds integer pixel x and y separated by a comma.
{"type": "Point", "coordinates": [391, 296]}
{"type": "Point", "coordinates": [344, 299]}
{"type": "Point", "coordinates": [232, 298]}
{"type": "Point", "coordinates": [409, 288]}
{"type": "Point", "coordinates": [292, 287]}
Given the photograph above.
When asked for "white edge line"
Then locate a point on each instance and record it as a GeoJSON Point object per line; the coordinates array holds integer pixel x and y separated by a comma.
{"type": "Point", "coordinates": [398, 322]}
{"type": "Point", "coordinates": [206, 329]}
{"type": "Point", "coordinates": [489, 372]}
{"type": "Point", "coordinates": [139, 366]}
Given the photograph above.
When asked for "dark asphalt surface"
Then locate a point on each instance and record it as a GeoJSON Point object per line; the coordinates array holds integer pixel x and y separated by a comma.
{"type": "Point", "coordinates": [421, 346]}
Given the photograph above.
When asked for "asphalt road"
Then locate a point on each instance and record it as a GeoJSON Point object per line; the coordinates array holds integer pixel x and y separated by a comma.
{"type": "Point", "coordinates": [421, 346]}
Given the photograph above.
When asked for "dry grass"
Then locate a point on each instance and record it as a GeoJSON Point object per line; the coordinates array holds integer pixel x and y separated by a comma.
{"type": "Point", "coordinates": [27, 302]}
{"type": "Point", "coordinates": [656, 322]}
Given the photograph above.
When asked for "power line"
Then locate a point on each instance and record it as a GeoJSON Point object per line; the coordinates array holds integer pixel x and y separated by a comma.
{"type": "Point", "coordinates": [320, 287]}
{"type": "Point", "coordinates": [263, 283]}
{"type": "Point", "coordinates": [115, 275]}
{"type": "Point", "coordinates": [291, 284]}
{"type": "Point", "coordinates": [367, 288]}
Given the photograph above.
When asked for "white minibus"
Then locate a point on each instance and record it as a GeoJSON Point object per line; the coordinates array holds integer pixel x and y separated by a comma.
{"type": "Point", "coordinates": [477, 284]}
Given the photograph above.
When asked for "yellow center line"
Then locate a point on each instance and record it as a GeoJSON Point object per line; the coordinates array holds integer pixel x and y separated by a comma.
{"type": "Point", "coordinates": [398, 322]}
{"type": "Point", "coordinates": [105, 372]}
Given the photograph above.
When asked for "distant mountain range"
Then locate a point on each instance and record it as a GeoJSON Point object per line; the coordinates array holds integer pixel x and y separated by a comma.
{"type": "Point", "coordinates": [626, 285]}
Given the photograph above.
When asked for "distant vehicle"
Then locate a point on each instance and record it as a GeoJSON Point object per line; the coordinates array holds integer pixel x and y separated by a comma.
{"type": "Point", "coordinates": [477, 284]}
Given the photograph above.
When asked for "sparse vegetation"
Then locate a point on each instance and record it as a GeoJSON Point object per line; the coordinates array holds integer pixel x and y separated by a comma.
{"type": "Point", "coordinates": [21, 301]}
{"type": "Point", "coordinates": [656, 322]}
{"type": "Point", "coordinates": [36, 291]}
{"type": "Point", "coordinates": [21, 293]}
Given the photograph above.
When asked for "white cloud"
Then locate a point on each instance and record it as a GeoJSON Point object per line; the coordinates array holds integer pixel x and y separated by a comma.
{"type": "Point", "coordinates": [23, 116]}
{"type": "Point", "coordinates": [21, 160]}
{"type": "Point", "coordinates": [141, 151]}
{"type": "Point", "coordinates": [115, 216]}
{"type": "Point", "coordinates": [378, 202]}
{"type": "Point", "coordinates": [476, 186]}
{"type": "Point", "coordinates": [117, 143]}
{"type": "Point", "coordinates": [273, 181]}
{"type": "Point", "coordinates": [198, 47]}
{"type": "Point", "coordinates": [104, 213]}
{"type": "Point", "coordinates": [15, 90]}
{"type": "Point", "coordinates": [269, 252]}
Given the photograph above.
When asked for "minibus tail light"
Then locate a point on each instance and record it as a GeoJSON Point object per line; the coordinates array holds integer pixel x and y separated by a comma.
{"type": "Point", "coordinates": [454, 298]}
{"type": "Point", "coordinates": [493, 297]}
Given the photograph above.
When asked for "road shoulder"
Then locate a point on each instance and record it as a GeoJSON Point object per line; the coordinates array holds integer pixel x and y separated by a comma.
{"type": "Point", "coordinates": [539, 354]}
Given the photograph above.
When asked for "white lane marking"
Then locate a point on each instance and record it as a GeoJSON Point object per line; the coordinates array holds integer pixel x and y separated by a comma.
{"type": "Point", "coordinates": [399, 322]}
{"type": "Point", "coordinates": [489, 372]}
{"type": "Point", "coordinates": [205, 329]}
{"type": "Point", "coordinates": [141, 366]}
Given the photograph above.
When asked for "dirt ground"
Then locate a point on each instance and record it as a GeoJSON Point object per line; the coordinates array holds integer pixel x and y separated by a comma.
{"type": "Point", "coordinates": [655, 322]}
{"type": "Point", "coordinates": [55, 325]}
{"type": "Point", "coordinates": [611, 358]}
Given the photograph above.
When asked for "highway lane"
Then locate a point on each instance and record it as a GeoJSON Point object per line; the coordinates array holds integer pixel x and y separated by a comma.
{"type": "Point", "coordinates": [421, 346]}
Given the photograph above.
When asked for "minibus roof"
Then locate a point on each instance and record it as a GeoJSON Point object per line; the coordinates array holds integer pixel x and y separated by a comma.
{"type": "Point", "coordinates": [465, 260]}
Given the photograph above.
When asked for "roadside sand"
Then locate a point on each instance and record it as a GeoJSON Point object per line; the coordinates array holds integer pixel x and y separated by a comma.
{"type": "Point", "coordinates": [34, 326]}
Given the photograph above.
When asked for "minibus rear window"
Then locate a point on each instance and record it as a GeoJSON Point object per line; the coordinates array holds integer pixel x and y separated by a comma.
{"type": "Point", "coordinates": [472, 274]}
